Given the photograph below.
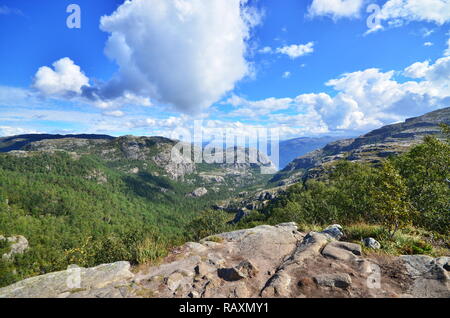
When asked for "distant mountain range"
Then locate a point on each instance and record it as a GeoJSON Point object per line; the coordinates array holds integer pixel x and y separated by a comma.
{"type": "Point", "coordinates": [294, 148]}
{"type": "Point", "coordinates": [289, 149]}
{"type": "Point", "coordinates": [372, 147]}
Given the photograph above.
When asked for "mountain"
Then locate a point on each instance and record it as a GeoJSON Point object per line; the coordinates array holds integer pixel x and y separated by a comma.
{"type": "Point", "coordinates": [20, 141]}
{"type": "Point", "coordinates": [294, 148]}
{"type": "Point", "coordinates": [115, 195]}
{"type": "Point", "coordinates": [153, 153]}
{"type": "Point", "coordinates": [372, 147]}
{"type": "Point", "coordinates": [265, 261]}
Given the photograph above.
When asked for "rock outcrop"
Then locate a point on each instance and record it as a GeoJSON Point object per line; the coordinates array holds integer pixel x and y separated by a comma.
{"type": "Point", "coordinates": [199, 192]}
{"type": "Point", "coordinates": [265, 261]}
{"type": "Point", "coordinates": [17, 245]}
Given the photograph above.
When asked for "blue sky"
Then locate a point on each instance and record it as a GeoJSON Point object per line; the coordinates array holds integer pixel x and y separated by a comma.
{"type": "Point", "coordinates": [310, 67]}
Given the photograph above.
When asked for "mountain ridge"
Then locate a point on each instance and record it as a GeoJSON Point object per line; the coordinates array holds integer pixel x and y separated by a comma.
{"type": "Point", "coordinates": [372, 147]}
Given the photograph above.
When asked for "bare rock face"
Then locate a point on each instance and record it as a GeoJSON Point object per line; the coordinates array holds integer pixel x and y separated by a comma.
{"type": "Point", "coordinates": [18, 245]}
{"type": "Point", "coordinates": [265, 261]}
{"type": "Point", "coordinates": [197, 193]}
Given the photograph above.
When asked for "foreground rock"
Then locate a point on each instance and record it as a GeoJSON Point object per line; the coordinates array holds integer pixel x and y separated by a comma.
{"type": "Point", "coordinates": [108, 280]}
{"type": "Point", "coordinates": [265, 261]}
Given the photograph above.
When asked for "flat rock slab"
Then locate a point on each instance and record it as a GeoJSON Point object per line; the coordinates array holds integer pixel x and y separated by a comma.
{"type": "Point", "coordinates": [73, 280]}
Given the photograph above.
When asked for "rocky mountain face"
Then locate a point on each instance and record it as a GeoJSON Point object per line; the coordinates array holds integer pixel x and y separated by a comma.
{"type": "Point", "coordinates": [135, 155]}
{"type": "Point", "coordinates": [294, 148]}
{"type": "Point", "coordinates": [20, 141]}
{"type": "Point", "coordinates": [265, 261]}
{"type": "Point", "coordinates": [372, 147]}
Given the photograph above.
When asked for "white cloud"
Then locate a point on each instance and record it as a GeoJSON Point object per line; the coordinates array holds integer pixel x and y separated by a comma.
{"type": "Point", "coordinates": [126, 99]}
{"type": "Point", "coordinates": [336, 9]}
{"type": "Point", "coordinates": [65, 78]}
{"type": "Point", "coordinates": [427, 32]}
{"type": "Point", "coordinates": [363, 100]}
{"type": "Point", "coordinates": [257, 108]}
{"type": "Point", "coordinates": [428, 44]}
{"type": "Point", "coordinates": [447, 51]}
{"type": "Point", "coordinates": [185, 53]}
{"type": "Point", "coordinates": [417, 70]}
{"type": "Point", "coordinates": [294, 51]}
{"type": "Point", "coordinates": [67, 81]}
{"type": "Point", "coordinates": [376, 28]}
{"type": "Point", "coordinates": [6, 131]}
{"type": "Point", "coordinates": [286, 74]}
{"type": "Point", "coordinates": [266, 50]}
{"type": "Point", "coordinates": [5, 10]}
{"type": "Point", "coordinates": [399, 12]}
{"type": "Point", "coordinates": [114, 113]}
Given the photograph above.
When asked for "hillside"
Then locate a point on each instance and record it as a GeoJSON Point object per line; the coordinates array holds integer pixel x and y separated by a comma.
{"type": "Point", "coordinates": [371, 148]}
{"type": "Point", "coordinates": [294, 148]}
{"type": "Point", "coordinates": [123, 197]}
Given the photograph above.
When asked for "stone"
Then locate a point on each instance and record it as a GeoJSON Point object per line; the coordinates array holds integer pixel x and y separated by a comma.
{"type": "Point", "coordinates": [245, 269]}
{"type": "Point", "coordinates": [337, 253]}
{"type": "Point", "coordinates": [333, 280]}
{"type": "Point", "coordinates": [195, 247]}
{"type": "Point", "coordinates": [73, 280]}
{"type": "Point", "coordinates": [201, 269]}
{"type": "Point", "coordinates": [444, 262]}
{"type": "Point", "coordinates": [417, 265]}
{"type": "Point", "coordinates": [174, 281]}
{"type": "Point", "coordinates": [351, 247]}
{"type": "Point", "coordinates": [334, 231]}
{"type": "Point", "coordinates": [18, 245]}
{"type": "Point", "coordinates": [277, 286]}
{"type": "Point", "coordinates": [199, 192]}
{"type": "Point", "coordinates": [370, 242]}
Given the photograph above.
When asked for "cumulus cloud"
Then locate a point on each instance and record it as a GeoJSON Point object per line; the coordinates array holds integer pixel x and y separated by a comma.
{"type": "Point", "coordinates": [294, 51]}
{"type": "Point", "coordinates": [66, 78]}
{"type": "Point", "coordinates": [399, 12]}
{"type": "Point", "coordinates": [184, 53]}
{"type": "Point", "coordinates": [336, 9]}
{"type": "Point", "coordinates": [363, 100]}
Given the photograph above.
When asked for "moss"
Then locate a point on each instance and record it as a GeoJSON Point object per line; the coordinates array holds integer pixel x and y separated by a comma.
{"type": "Point", "coordinates": [145, 293]}
{"type": "Point", "coordinates": [215, 239]}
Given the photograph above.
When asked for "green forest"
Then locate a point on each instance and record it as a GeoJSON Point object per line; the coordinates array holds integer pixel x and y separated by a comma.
{"type": "Point", "coordinates": [69, 217]}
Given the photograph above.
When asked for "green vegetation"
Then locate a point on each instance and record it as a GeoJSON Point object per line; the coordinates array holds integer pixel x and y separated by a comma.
{"type": "Point", "coordinates": [87, 211]}
{"type": "Point", "coordinates": [405, 194]}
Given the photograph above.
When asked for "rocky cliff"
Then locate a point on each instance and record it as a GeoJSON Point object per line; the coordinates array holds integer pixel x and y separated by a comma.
{"type": "Point", "coordinates": [372, 147]}
{"type": "Point", "coordinates": [265, 261]}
